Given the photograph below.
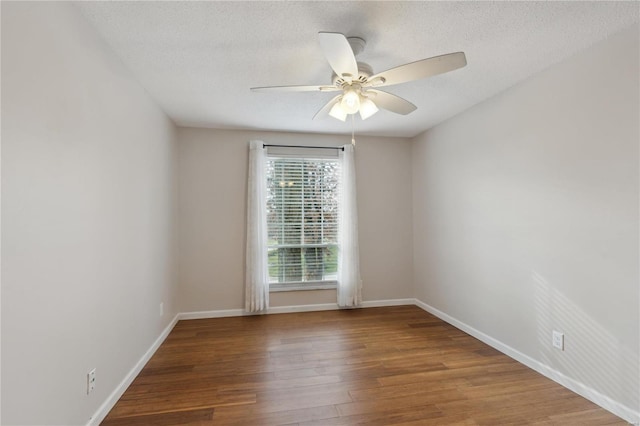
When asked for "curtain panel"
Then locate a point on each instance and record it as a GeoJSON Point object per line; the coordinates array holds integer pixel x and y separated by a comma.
{"type": "Point", "coordinates": [349, 282]}
{"type": "Point", "coordinates": [256, 270]}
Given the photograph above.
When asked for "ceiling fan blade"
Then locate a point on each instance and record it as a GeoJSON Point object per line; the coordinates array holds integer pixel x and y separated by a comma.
{"type": "Point", "coordinates": [420, 69]}
{"type": "Point", "coordinates": [391, 102]}
{"type": "Point", "coordinates": [324, 111]}
{"type": "Point", "coordinates": [295, 89]}
{"type": "Point", "coordinates": [338, 52]}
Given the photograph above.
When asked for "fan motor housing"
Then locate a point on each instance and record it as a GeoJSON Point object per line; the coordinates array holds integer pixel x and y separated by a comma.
{"type": "Point", "coordinates": [364, 72]}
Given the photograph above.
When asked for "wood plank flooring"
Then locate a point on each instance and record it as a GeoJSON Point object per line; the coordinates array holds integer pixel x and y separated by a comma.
{"type": "Point", "coordinates": [378, 366]}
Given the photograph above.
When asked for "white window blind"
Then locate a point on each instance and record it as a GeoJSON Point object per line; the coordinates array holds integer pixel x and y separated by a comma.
{"type": "Point", "coordinates": [302, 220]}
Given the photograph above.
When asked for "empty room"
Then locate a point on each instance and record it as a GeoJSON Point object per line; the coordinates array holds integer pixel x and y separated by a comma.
{"type": "Point", "coordinates": [320, 213]}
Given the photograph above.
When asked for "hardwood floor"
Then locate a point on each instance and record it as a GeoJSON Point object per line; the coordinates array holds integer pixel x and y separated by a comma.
{"type": "Point", "coordinates": [380, 366]}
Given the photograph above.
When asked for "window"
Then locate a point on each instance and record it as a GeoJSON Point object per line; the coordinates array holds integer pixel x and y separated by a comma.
{"type": "Point", "coordinates": [299, 209]}
{"type": "Point", "coordinates": [302, 222]}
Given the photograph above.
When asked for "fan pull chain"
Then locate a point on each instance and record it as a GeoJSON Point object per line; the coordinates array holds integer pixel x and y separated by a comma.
{"type": "Point", "coordinates": [353, 137]}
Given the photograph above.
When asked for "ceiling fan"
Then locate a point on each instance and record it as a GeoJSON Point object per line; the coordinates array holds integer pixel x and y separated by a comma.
{"type": "Point", "coordinates": [358, 84]}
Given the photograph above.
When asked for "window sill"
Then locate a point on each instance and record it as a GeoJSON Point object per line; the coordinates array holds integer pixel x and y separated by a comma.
{"type": "Point", "coordinates": [275, 288]}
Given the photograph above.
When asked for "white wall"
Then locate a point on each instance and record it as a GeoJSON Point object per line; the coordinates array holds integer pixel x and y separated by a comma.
{"type": "Point", "coordinates": [212, 196]}
{"type": "Point", "coordinates": [87, 233]}
{"type": "Point", "coordinates": [525, 216]}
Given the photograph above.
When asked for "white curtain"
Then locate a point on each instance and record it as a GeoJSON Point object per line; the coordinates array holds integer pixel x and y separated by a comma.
{"type": "Point", "coordinates": [256, 276]}
{"type": "Point", "coordinates": [349, 283]}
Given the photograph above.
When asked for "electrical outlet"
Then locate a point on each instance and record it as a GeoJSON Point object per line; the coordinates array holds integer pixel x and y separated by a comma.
{"type": "Point", "coordinates": [161, 308]}
{"type": "Point", "coordinates": [557, 339]}
{"type": "Point", "coordinates": [91, 381]}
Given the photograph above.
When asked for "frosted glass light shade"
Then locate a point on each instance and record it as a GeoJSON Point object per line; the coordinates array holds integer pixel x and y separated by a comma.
{"type": "Point", "coordinates": [338, 112]}
{"type": "Point", "coordinates": [350, 102]}
{"type": "Point", "coordinates": [367, 108]}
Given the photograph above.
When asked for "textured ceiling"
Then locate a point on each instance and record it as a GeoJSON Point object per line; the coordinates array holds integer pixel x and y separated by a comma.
{"type": "Point", "coordinates": [199, 59]}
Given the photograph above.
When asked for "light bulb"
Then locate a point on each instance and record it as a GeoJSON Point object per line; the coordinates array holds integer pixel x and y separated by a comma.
{"type": "Point", "coordinates": [367, 108]}
{"type": "Point", "coordinates": [350, 102]}
{"type": "Point", "coordinates": [338, 112]}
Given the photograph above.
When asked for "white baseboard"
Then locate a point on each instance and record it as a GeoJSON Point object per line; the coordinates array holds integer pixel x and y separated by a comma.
{"type": "Point", "coordinates": [107, 405]}
{"type": "Point", "coordinates": [302, 308]}
{"type": "Point", "coordinates": [211, 314]}
{"type": "Point", "coordinates": [290, 309]}
{"type": "Point", "coordinates": [591, 394]}
{"type": "Point", "coordinates": [388, 302]}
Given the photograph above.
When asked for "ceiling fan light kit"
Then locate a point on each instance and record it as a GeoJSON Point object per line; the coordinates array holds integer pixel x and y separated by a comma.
{"type": "Point", "coordinates": [350, 103]}
{"type": "Point", "coordinates": [356, 80]}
